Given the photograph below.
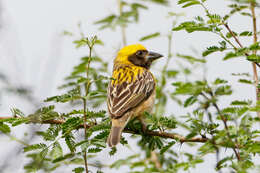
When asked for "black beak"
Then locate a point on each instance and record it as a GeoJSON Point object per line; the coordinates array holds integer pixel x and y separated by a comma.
{"type": "Point", "coordinates": [153, 56]}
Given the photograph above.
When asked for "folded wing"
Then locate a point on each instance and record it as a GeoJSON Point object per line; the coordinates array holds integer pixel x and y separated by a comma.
{"type": "Point", "coordinates": [124, 96]}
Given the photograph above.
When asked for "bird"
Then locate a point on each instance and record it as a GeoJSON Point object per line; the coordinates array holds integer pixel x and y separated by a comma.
{"type": "Point", "coordinates": [131, 91]}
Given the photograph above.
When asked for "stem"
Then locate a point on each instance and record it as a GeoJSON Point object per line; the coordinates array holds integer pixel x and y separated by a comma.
{"type": "Point", "coordinates": [224, 120]}
{"type": "Point", "coordinates": [234, 36]}
{"type": "Point", "coordinates": [85, 106]}
{"type": "Point", "coordinates": [85, 132]}
{"type": "Point", "coordinates": [120, 6]}
{"type": "Point", "coordinates": [227, 130]}
{"type": "Point", "coordinates": [252, 8]}
{"type": "Point", "coordinates": [227, 40]}
{"type": "Point", "coordinates": [213, 139]}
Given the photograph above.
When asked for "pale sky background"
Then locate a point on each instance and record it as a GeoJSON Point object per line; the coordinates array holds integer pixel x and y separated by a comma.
{"type": "Point", "coordinates": [34, 53]}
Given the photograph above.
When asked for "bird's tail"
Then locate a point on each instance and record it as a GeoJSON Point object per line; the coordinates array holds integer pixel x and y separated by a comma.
{"type": "Point", "coordinates": [118, 126]}
{"type": "Point", "coordinates": [114, 136]}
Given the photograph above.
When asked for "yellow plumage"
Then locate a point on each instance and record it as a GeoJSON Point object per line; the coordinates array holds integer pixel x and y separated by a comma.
{"type": "Point", "coordinates": [132, 90]}
{"type": "Point", "coordinates": [122, 55]}
{"type": "Point", "coordinates": [127, 75]}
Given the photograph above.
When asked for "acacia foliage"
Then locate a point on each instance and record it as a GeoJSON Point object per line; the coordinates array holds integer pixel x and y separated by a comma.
{"type": "Point", "coordinates": [229, 127]}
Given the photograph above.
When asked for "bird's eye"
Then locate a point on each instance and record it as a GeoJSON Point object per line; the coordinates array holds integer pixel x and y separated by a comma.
{"type": "Point", "coordinates": [139, 53]}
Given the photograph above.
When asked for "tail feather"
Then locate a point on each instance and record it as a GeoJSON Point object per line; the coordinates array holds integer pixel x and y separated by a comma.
{"type": "Point", "coordinates": [114, 136]}
{"type": "Point", "coordinates": [118, 126]}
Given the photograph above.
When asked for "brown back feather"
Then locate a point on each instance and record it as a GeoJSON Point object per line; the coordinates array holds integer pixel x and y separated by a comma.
{"type": "Point", "coordinates": [126, 96]}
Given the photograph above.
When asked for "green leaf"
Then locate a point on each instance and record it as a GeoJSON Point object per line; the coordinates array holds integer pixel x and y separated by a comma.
{"type": "Point", "coordinates": [34, 147]}
{"type": "Point", "coordinates": [190, 101]}
{"type": "Point", "coordinates": [255, 46]}
{"type": "Point", "coordinates": [4, 128]}
{"type": "Point", "coordinates": [168, 122]}
{"type": "Point", "coordinates": [191, 4]}
{"type": "Point", "coordinates": [215, 19]}
{"type": "Point", "coordinates": [186, 1]}
{"type": "Point", "coordinates": [71, 124]}
{"type": "Point", "coordinates": [66, 156]}
{"type": "Point", "coordinates": [99, 114]}
{"type": "Point", "coordinates": [210, 50]}
{"type": "Point", "coordinates": [207, 148]}
{"type": "Point", "coordinates": [51, 133]}
{"type": "Point", "coordinates": [254, 148]}
{"type": "Point", "coordinates": [18, 112]}
{"type": "Point", "coordinates": [80, 43]}
{"type": "Point", "coordinates": [78, 170]}
{"type": "Point", "coordinates": [56, 151]}
{"type": "Point", "coordinates": [167, 147]}
{"type": "Point", "coordinates": [150, 36]}
{"type": "Point", "coordinates": [219, 81]}
{"type": "Point", "coordinates": [191, 59]}
{"type": "Point", "coordinates": [70, 141]}
{"type": "Point", "coordinates": [172, 73]}
{"type": "Point", "coordinates": [229, 35]}
{"type": "Point", "coordinates": [107, 21]}
{"type": "Point", "coordinates": [199, 18]}
{"type": "Point", "coordinates": [113, 151]}
{"type": "Point", "coordinates": [161, 2]}
{"type": "Point", "coordinates": [68, 33]}
{"type": "Point", "coordinates": [254, 58]}
{"type": "Point", "coordinates": [192, 26]}
{"type": "Point", "coordinates": [94, 150]}
{"type": "Point", "coordinates": [71, 95]}
{"type": "Point", "coordinates": [232, 55]}
{"type": "Point", "coordinates": [122, 162]}
{"type": "Point", "coordinates": [223, 90]}
{"type": "Point", "coordinates": [222, 161]}
{"type": "Point", "coordinates": [189, 88]}
{"type": "Point", "coordinates": [19, 121]}
{"type": "Point", "coordinates": [43, 114]}
{"type": "Point", "coordinates": [240, 103]}
{"type": "Point", "coordinates": [246, 14]}
{"type": "Point", "coordinates": [245, 81]}
{"type": "Point", "coordinates": [246, 34]}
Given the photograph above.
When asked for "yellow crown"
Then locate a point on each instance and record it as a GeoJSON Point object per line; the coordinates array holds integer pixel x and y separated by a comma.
{"type": "Point", "coordinates": [123, 54]}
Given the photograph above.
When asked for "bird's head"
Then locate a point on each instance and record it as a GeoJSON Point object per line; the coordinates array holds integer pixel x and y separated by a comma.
{"type": "Point", "coordinates": [138, 55]}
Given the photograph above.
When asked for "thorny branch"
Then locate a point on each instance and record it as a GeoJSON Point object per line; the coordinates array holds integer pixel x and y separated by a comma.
{"type": "Point", "coordinates": [174, 136]}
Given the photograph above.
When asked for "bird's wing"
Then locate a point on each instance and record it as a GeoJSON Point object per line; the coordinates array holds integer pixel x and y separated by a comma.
{"type": "Point", "coordinates": [127, 95]}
